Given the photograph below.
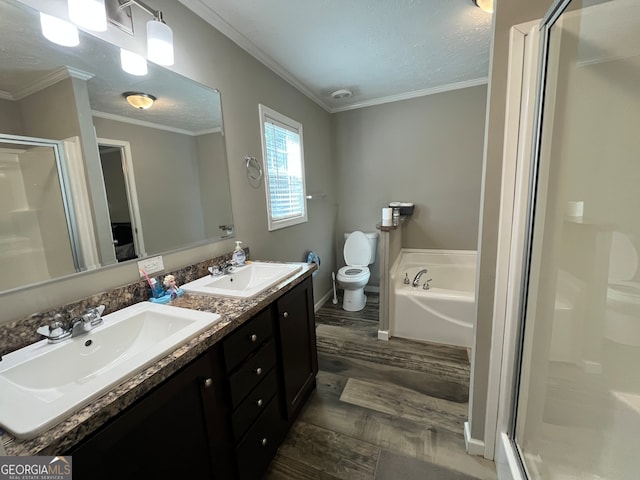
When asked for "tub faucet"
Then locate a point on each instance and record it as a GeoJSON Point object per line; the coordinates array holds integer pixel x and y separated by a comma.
{"type": "Point", "coordinates": [416, 279]}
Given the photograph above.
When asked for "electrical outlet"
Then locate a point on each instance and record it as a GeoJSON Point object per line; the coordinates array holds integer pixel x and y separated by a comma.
{"type": "Point", "coordinates": [151, 265]}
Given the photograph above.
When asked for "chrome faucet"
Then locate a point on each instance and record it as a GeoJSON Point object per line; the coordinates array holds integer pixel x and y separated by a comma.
{"type": "Point", "coordinates": [222, 269]}
{"type": "Point", "coordinates": [56, 332]}
{"type": "Point", "coordinates": [416, 279]}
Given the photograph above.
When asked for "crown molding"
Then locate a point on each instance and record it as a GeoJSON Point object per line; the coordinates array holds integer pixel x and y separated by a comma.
{"type": "Point", "coordinates": [52, 78]}
{"type": "Point", "coordinates": [414, 94]}
{"type": "Point", "coordinates": [142, 123]}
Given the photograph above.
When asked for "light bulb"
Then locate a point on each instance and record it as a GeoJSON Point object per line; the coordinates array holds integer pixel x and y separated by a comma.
{"type": "Point", "coordinates": [89, 14]}
{"type": "Point", "coordinates": [59, 31]}
{"type": "Point", "coordinates": [159, 43]}
{"type": "Point", "coordinates": [133, 63]}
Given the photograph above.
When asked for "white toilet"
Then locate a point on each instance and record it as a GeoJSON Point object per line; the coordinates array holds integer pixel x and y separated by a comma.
{"type": "Point", "coordinates": [359, 252]}
{"type": "Point", "coordinates": [622, 321]}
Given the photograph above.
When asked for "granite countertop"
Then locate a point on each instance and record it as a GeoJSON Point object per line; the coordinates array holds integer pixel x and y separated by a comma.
{"type": "Point", "coordinates": [233, 311]}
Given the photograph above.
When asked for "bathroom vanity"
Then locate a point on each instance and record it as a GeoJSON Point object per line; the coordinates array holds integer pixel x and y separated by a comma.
{"type": "Point", "coordinates": [217, 407]}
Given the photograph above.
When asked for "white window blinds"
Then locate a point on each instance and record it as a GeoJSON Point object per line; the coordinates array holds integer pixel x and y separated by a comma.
{"type": "Point", "coordinates": [284, 168]}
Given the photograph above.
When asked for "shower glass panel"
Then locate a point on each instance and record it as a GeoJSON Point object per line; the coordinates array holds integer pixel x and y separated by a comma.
{"type": "Point", "coordinates": [577, 412]}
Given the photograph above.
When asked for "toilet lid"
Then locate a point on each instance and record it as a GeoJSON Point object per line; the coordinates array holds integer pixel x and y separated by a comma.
{"type": "Point", "coordinates": [357, 251]}
{"type": "Point", "coordinates": [623, 259]}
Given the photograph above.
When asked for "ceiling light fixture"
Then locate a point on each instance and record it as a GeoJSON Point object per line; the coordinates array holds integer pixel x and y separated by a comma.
{"type": "Point", "coordinates": [133, 63]}
{"type": "Point", "coordinates": [59, 31]}
{"type": "Point", "coordinates": [139, 100]}
{"type": "Point", "coordinates": [89, 14]}
{"type": "Point", "coordinates": [341, 94]}
{"type": "Point", "coordinates": [484, 5]}
{"type": "Point", "coordinates": [159, 35]}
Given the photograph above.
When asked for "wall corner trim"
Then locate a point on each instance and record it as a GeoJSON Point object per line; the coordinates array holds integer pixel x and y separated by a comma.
{"type": "Point", "coordinates": [383, 335]}
{"type": "Point", "coordinates": [473, 446]}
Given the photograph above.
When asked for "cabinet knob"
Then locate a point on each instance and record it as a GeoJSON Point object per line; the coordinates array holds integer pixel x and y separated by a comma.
{"type": "Point", "coordinates": [208, 382]}
{"type": "Point", "coordinates": [264, 442]}
{"type": "Point", "coordinates": [285, 314]}
{"type": "Point", "coordinates": [259, 402]}
{"type": "Point", "coordinates": [254, 338]}
{"type": "Point", "coordinates": [258, 371]}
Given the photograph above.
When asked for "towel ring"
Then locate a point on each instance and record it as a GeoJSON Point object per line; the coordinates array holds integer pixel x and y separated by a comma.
{"type": "Point", "coordinates": [254, 168]}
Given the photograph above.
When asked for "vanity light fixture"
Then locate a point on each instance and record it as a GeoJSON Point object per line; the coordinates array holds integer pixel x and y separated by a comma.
{"type": "Point", "coordinates": [89, 14]}
{"type": "Point", "coordinates": [133, 63]}
{"type": "Point", "coordinates": [159, 35]}
{"type": "Point", "coordinates": [139, 100]}
{"type": "Point", "coordinates": [484, 5]}
{"type": "Point", "coordinates": [59, 31]}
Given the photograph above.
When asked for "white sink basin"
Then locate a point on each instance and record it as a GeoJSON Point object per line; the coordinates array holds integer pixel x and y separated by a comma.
{"type": "Point", "coordinates": [245, 281]}
{"type": "Point", "coordinates": [42, 383]}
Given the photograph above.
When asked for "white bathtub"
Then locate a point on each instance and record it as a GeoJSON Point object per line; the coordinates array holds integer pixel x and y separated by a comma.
{"type": "Point", "coordinates": [446, 312]}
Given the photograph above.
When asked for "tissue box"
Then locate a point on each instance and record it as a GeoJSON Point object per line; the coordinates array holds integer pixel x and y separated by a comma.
{"type": "Point", "coordinates": [406, 208]}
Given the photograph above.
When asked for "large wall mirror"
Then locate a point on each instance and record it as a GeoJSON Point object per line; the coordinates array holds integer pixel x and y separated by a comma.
{"type": "Point", "coordinates": [86, 179]}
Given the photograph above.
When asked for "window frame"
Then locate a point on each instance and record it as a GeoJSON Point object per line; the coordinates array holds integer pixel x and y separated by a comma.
{"type": "Point", "coordinates": [268, 115]}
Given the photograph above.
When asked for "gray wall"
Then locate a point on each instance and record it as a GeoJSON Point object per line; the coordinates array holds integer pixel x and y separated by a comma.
{"type": "Point", "coordinates": [207, 56]}
{"type": "Point", "coordinates": [426, 150]}
{"type": "Point", "coordinates": [507, 13]}
{"type": "Point", "coordinates": [10, 117]}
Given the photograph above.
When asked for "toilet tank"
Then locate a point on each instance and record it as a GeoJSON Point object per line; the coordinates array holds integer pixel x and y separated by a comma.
{"type": "Point", "coordinates": [373, 244]}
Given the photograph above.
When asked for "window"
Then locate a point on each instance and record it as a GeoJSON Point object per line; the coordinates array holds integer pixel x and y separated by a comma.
{"type": "Point", "coordinates": [282, 153]}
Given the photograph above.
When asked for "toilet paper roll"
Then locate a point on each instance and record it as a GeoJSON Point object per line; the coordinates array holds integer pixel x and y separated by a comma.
{"type": "Point", "coordinates": [387, 216]}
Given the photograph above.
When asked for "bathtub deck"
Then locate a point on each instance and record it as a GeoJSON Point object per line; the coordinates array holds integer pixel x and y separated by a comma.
{"type": "Point", "coordinates": [381, 410]}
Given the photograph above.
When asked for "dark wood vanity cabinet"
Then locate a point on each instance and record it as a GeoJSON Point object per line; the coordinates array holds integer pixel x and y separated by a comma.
{"type": "Point", "coordinates": [224, 415]}
{"type": "Point", "coordinates": [178, 430]}
{"type": "Point", "coordinates": [295, 323]}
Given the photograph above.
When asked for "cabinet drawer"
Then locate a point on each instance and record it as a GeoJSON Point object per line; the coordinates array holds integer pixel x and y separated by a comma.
{"type": "Point", "coordinates": [254, 404]}
{"type": "Point", "coordinates": [247, 338]}
{"type": "Point", "coordinates": [257, 448]}
{"type": "Point", "coordinates": [249, 374]}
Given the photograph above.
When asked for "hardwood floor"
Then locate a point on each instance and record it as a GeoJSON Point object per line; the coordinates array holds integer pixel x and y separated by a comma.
{"type": "Point", "coordinates": [381, 410]}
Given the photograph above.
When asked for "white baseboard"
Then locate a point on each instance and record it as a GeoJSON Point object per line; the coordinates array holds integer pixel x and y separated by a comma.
{"type": "Point", "coordinates": [323, 300]}
{"type": "Point", "coordinates": [473, 446]}
{"type": "Point", "coordinates": [383, 335]}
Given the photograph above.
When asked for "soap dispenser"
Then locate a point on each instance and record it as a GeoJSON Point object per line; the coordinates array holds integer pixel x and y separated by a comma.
{"type": "Point", "coordinates": [238, 257]}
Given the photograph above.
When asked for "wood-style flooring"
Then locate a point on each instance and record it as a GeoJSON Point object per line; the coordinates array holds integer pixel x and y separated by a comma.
{"type": "Point", "coordinates": [381, 410]}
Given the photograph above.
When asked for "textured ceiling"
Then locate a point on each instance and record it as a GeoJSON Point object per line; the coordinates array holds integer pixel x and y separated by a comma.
{"type": "Point", "coordinates": [381, 50]}
{"type": "Point", "coordinates": [27, 60]}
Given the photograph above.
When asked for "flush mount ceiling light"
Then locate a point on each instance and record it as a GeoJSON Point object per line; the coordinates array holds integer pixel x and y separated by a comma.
{"type": "Point", "coordinates": [59, 31]}
{"type": "Point", "coordinates": [89, 14]}
{"type": "Point", "coordinates": [484, 5]}
{"type": "Point", "coordinates": [341, 94]}
{"type": "Point", "coordinates": [139, 100]}
{"type": "Point", "coordinates": [133, 63]}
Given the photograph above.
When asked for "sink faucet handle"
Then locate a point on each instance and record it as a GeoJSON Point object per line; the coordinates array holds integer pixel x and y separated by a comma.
{"type": "Point", "coordinates": [406, 280]}
{"type": "Point", "coordinates": [55, 331]}
{"type": "Point", "coordinates": [94, 315]}
{"type": "Point", "coordinates": [426, 285]}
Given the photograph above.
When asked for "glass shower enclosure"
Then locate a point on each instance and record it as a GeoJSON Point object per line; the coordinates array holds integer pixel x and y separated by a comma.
{"type": "Point", "coordinates": [576, 399]}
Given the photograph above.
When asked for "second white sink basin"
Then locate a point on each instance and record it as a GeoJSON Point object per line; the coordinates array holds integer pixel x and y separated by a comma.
{"type": "Point", "coordinates": [245, 281]}
{"type": "Point", "coordinates": [42, 383]}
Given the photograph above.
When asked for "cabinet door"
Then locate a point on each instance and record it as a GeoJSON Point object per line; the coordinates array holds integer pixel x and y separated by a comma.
{"type": "Point", "coordinates": [297, 336]}
{"type": "Point", "coordinates": [162, 436]}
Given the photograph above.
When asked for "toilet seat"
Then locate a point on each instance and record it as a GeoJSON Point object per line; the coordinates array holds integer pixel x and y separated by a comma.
{"type": "Point", "coordinates": [623, 265]}
{"type": "Point", "coordinates": [624, 292]}
{"type": "Point", "coordinates": [350, 274]}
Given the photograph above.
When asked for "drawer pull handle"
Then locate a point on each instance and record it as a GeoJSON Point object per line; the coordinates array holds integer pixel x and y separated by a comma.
{"type": "Point", "coordinates": [258, 371]}
{"type": "Point", "coordinates": [208, 382]}
{"type": "Point", "coordinates": [259, 402]}
{"type": "Point", "coordinates": [264, 442]}
{"type": "Point", "coordinates": [254, 338]}
{"type": "Point", "coordinates": [285, 314]}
